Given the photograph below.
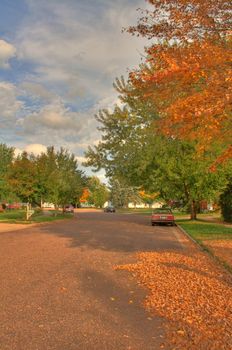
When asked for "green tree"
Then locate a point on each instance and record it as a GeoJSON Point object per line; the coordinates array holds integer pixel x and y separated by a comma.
{"type": "Point", "coordinates": [226, 202]}
{"type": "Point", "coordinates": [133, 151]}
{"type": "Point", "coordinates": [46, 173]}
{"type": "Point", "coordinates": [6, 158]}
{"type": "Point", "coordinates": [22, 178]}
{"type": "Point", "coordinates": [60, 180]}
{"type": "Point", "coordinates": [99, 193]}
{"type": "Point", "coordinates": [121, 194]}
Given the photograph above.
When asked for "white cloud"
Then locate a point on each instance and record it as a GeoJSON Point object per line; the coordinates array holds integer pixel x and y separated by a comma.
{"type": "Point", "coordinates": [17, 151]}
{"type": "Point", "coordinates": [35, 148]}
{"type": "Point", "coordinates": [78, 47]}
{"type": "Point", "coordinates": [36, 91]}
{"type": "Point", "coordinates": [9, 105]}
{"type": "Point", "coordinates": [7, 51]}
{"type": "Point", "coordinates": [54, 116]}
{"type": "Point", "coordinates": [80, 159]}
{"type": "Point", "coordinates": [70, 53]}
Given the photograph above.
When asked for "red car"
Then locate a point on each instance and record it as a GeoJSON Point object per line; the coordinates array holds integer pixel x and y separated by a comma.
{"type": "Point", "coordinates": [162, 216]}
{"type": "Point", "coordinates": [14, 206]}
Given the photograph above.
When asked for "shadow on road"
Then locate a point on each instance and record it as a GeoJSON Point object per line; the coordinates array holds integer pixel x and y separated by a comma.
{"type": "Point", "coordinates": [115, 232]}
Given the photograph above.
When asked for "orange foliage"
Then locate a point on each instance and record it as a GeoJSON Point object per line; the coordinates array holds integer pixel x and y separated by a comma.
{"type": "Point", "coordinates": [85, 195]}
{"type": "Point", "coordinates": [146, 195]}
{"type": "Point", "coordinates": [191, 88]}
{"type": "Point", "coordinates": [184, 19]}
{"type": "Point", "coordinates": [188, 75]}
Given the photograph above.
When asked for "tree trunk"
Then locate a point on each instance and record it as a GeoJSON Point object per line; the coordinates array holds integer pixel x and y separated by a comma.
{"type": "Point", "coordinates": [193, 210]}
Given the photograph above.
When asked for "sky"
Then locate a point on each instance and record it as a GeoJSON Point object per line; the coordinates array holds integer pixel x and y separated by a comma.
{"type": "Point", "coordinates": [58, 61]}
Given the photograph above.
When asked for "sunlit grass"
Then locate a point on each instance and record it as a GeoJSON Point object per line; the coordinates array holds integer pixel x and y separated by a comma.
{"type": "Point", "coordinates": [19, 216]}
{"type": "Point", "coordinates": [205, 231]}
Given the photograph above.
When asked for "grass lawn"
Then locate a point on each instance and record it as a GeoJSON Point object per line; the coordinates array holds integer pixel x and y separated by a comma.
{"type": "Point", "coordinates": [178, 214]}
{"type": "Point", "coordinates": [144, 211]}
{"type": "Point", "coordinates": [216, 239]}
{"type": "Point", "coordinates": [19, 216]}
{"type": "Point", "coordinates": [201, 231]}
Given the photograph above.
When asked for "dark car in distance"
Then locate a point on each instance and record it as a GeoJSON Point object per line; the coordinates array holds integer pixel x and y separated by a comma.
{"type": "Point", "coordinates": [162, 216]}
{"type": "Point", "coordinates": [109, 209]}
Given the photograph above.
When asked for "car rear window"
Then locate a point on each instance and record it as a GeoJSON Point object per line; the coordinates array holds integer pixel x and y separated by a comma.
{"type": "Point", "coordinates": [162, 211]}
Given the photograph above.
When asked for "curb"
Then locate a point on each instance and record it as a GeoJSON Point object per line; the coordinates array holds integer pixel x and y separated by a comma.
{"type": "Point", "coordinates": [190, 237]}
{"type": "Point", "coordinates": [206, 250]}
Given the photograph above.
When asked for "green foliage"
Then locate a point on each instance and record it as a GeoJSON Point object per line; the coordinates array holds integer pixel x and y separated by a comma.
{"type": "Point", "coordinates": [12, 215]}
{"type": "Point", "coordinates": [22, 178]}
{"type": "Point", "coordinates": [6, 158]}
{"type": "Point", "coordinates": [99, 193]}
{"type": "Point", "coordinates": [19, 216]}
{"type": "Point", "coordinates": [121, 194]}
{"type": "Point", "coordinates": [226, 203]}
{"type": "Point", "coordinates": [133, 152]}
{"type": "Point", "coordinates": [52, 176]}
{"type": "Point", "coordinates": [60, 180]}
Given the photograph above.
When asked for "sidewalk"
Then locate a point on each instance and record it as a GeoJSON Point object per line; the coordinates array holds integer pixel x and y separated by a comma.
{"type": "Point", "coordinates": [5, 227]}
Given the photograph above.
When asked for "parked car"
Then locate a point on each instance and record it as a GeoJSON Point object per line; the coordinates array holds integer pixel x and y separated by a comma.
{"type": "Point", "coordinates": [162, 216]}
{"type": "Point", "coordinates": [69, 209]}
{"type": "Point", "coordinates": [109, 209]}
{"type": "Point", "coordinates": [13, 206]}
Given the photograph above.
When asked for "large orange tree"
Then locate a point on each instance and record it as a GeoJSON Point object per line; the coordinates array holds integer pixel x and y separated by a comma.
{"type": "Point", "coordinates": [187, 76]}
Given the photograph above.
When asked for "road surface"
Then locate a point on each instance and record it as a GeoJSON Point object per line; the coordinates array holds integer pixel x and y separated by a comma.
{"type": "Point", "coordinates": [59, 289]}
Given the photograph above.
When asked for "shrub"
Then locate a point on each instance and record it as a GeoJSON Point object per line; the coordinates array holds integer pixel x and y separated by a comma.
{"type": "Point", "coordinates": [226, 203]}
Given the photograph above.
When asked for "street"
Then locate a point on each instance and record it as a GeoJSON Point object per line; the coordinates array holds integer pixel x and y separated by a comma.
{"type": "Point", "coordinates": [59, 288]}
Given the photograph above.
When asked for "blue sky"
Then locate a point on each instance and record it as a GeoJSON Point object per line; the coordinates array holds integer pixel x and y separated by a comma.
{"type": "Point", "coordinates": [58, 60]}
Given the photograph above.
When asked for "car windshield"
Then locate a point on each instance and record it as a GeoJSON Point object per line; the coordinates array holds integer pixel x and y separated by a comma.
{"type": "Point", "coordinates": [162, 211]}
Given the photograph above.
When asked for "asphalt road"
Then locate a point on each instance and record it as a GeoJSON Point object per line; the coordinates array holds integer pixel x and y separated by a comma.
{"type": "Point", "coordinates": [59, 289]}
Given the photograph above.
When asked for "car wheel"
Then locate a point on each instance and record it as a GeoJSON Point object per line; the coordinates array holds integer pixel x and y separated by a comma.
{"type": "Point", "coordinates": [153, 224]}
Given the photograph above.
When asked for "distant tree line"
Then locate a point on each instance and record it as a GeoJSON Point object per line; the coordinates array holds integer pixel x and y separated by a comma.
{"type": "Point", "coordinates": [52, 176]}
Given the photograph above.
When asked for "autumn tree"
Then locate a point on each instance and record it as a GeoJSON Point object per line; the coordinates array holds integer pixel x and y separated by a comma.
{"type": "Point", "coordinates": [190, 91]}
{"type": "Point", "coordinates": [134, 153]}
{"type": "Point", "coordinates": [148, 197]}
{"type": "Point", "coordinates": [187, 74]}
{"type": "Point", "coordinates": [84, 195]}
{"type": "Point", "coordinates": [188, 20]}
{"type": "Point", "coordinates": [174, 125]}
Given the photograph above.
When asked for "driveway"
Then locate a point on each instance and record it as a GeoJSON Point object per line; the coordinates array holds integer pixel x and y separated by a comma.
{"type": "Point", "coordinates": [59, 289]}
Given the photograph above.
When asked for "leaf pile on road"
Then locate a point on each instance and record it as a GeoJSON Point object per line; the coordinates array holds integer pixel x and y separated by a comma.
{"type": "Point", "coordinates": [192, 293]}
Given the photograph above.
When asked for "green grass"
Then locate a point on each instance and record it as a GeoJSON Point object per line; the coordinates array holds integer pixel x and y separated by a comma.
{"type": "Point", "coordinates": [182, 214]}
{"type": "Point", "coordinates": [19, 216]}
{"type": "Point", "coordinates": [202, 232]}
{"type": "Point", "coordinates": [144, 211]}
{"type": "Point", "coordinates": [12, 215]}
{"type": "Point", "coordinates": [205, 231]}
